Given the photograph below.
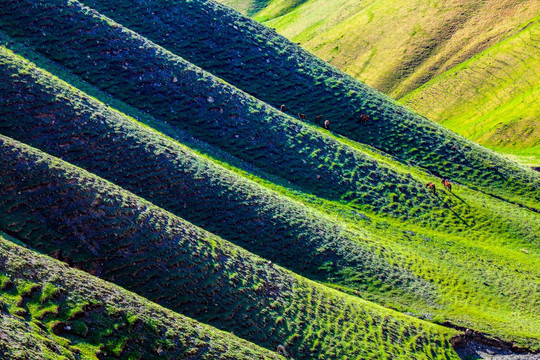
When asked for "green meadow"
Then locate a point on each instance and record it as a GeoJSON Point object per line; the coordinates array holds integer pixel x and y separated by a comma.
{"type": "Point", "coordinates": [154, 158]}
{"type": "Point", "coordinates": [471, 67]}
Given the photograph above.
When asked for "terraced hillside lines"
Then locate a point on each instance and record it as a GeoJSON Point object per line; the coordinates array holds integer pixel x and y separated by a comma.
{"type": "Point", "coordinates": [397, 46]}
{"type": "Point", "coordinates": [493, 97]}
{"type": "Point", "coordinates": [308, 242]}
{"type": "Point", "coordinates": [104, 230]}
{"type": "Point", "coordinates": [86, 133]}
{"type": "Point", "coordinates": [118, 55]}
{"type": "Point", "coordinates": [266, 65]}
{"type": "Point", "coordinates": [229, 119]}
{"type": "Point", "coordinates": [50, 311]}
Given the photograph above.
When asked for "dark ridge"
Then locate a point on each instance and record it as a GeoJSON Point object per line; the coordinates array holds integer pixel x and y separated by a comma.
{"type": "Point", "coordinates": [133, 70]}
{"type": "Point", "coordinates": [104, 230]}
{"type": "Point", "coordinates": [171, 176]}
{"type": "Point", "coordinates": [66, 308]}
{"type": "Point", "coordinates": [257, 60]}
{"type": "Point", "coordinates": [217, 113]}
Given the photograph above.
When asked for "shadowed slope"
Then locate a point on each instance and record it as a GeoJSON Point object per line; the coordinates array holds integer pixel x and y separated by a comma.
{"type": "Point", "coordinates": [276, 71]}
{"type": "Point", "coordinates": [84, 132]}
{"type": "Point", "coordinates": [40, 109]}
{"type": "Point", "coordinates": [102, 229]}
{"type": "Point", "coordinates": [50, 311]}
{"type": "Point", "coordinates": [397, 46]}
{"type": "Point", "coordinates": [151, 79]}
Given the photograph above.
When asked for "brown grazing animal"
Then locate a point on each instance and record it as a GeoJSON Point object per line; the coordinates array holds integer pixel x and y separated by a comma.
{"type": "Point", "coordinates": [364, 118]}
{"type": "Point", "coordinates": [318, 118]}
{"type": "Point", "coordinates": [326, 124]}
{"type": "Point", "coordinates": [282, 108]}
{"type": "Point", "coordinates": [302, 116]}
{"type": "Point", "coordinates": [431, 186]}
{"type": "Point", "coordinates": [281, 351]}
{"type": "Point", "coordinates": [447, 184]}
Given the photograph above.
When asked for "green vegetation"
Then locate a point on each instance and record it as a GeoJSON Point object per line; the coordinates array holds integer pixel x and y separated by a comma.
{"type": "Point", "coordinates": [49, 311]}
{"type": "Point", "coordinates": [104, 230]}
{"type": "Point", "coordinates": [308, 240]}
{"type": "Point", "coordinates": [276, 71]}
{"type": "Point", "coordinates": [120, 144]}
{"type": "Point", "coordinates": [476, 60]}
{"type": "Point", "coordinates": [494, 97]}
{"type": "Point", "coordinates": [193, 187]}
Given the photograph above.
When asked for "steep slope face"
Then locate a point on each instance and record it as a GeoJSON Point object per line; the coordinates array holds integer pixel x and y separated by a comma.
{"type": "Point", "coordinates": [104, 230]}
{"type": "Point", "coordinates": [46, 113]}
{"type": "Point", "coordinates": [86, 133]}
{"type": "Point", "coordinates": [144, 75]}
{"type": "Point", "coordinates": [137, 72]}
{"type": "Point", "coordinates": [493, 97]}
{"type": "Point", "coordinates": [273, 69]}
{"type": "Point", "coordinates": [397, 47]}
{"type": "Point", "coordinates": [50, 311]}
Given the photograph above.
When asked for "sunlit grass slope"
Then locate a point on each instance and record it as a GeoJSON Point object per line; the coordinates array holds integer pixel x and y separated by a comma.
{"type": "Point", "coordinates": [49, 311]}
{"type": "Point", "coordinates": [231, 120]}
{"type": "Point", "coordinates": [358, 254]}
{"type": "Point", "coordinates": [492, 98]}
{"type": "Point", "coordinates": [274, 70]}
{"type": "Point", "coordinates": [84, 132]}
{"type": "Point", "coordinates": [92, 224]}
{"type": "Point", "coordinates": [397, 46]}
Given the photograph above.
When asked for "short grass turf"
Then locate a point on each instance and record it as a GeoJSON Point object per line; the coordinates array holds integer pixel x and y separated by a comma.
{"type": "Point", "coordinates": [51, 311]}
{"type": "Point", "coordinates": [57, 208]}
{"type": "Point", "coordinates": [316, 88]}
{"type": "Point", "coordinates": [374, 255]}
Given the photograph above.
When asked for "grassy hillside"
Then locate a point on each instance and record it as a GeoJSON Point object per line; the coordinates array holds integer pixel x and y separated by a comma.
{"type": "Point", "coordinates": [274, 70]}
{"type": "Point", "coordinates": [347, 214]}
{"type": "Point", "coordinates": [50, 311]}
{"type": "Point", "coordinates": [94, 225]}
{"type": "Point", "coordinates": [358, 254]}
{"type": "Point", "coordinates": [397, 47]}
{"type": "Point", "coordinates": [185, 183]}
{"type": "Point", "coordinates": [488, 228]}
{"type": "Point", "coordinates": [493, 97]}
{"type": "Point", "coordinates": [137, 72]}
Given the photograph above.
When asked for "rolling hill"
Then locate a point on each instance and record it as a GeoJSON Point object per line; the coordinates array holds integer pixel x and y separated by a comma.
{"type": "Point", "coordinates": [276, 71]}
{"type": "Point", "coordinates": [50, 311]}
{"type": "Point", "coordinates": [190, 185]}
{"type": "Point", "coordinates": [100, 228]}
{"type": "Point", "coordinates": [471, 66]}
{"type": "Point", "coordinates": [142, 143]}
{"type": "Point", "coordinates": [83, 131]}
{"type": "Point", "coordinates": [498, 101]}
{"type": "Point", "coordinates": [392, 128]}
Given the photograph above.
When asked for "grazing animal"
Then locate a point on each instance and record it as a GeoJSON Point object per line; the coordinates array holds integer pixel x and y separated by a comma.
{"type": "Point", "coordinates": [431, 186]}
{"type": "Point", "coordinates": [364, 118]}
{"type": "Point", "coordinates": [281, 351]}
{"type": "Point", "coordinates": [447, 184]}
{"type": "Point", "coordinates": [326, 124]}
{"type": "Point", "coordinates": [282, 108]}
{"type": "Point", "coordinates": [302, 116]}
{"type": "Point", "coordinates": [318, 118]}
